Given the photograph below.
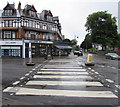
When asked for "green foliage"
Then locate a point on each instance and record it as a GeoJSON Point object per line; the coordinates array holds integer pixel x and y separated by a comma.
{"type": "Point", "coordinates": [77, 48]}
{"type": "Point", "coordinates": [87, 43]}
{"type": "Point", "coordinates": [72, 42]}
{"type": "Point", "coordinates": [102, 26]}
{"type": "Point", "coordinates": [67, 40]}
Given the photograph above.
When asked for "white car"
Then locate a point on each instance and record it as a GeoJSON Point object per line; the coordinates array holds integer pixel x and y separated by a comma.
{"type": "Point", "coordinates": [112, 56]}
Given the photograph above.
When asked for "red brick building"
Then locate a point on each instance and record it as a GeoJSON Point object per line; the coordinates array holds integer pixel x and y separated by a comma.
{"type": "Point", "coordinates": [23, 30]}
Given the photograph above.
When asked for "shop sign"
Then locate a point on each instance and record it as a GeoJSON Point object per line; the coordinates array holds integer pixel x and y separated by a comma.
{"type": "Point", "coordinates": [11, 43]}
{"type": "Point", "coordinates": [37, 41]}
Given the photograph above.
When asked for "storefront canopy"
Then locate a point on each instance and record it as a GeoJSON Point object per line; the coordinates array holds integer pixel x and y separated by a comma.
{"type": "Point", "coordinates": [63, 47]}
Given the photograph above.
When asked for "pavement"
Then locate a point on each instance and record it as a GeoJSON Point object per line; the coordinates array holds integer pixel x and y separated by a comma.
{"type": "Point", "coordinates": [14, 69]}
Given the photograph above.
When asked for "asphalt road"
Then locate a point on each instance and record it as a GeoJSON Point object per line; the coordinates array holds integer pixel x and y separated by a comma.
{"type": "Point", "coordinates": [104, 72]}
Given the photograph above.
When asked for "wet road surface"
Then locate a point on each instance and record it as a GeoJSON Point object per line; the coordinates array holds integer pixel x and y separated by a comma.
{"type": "Point", "coordinates": [61, 81]}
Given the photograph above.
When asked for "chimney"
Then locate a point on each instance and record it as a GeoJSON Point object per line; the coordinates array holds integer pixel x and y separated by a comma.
{"type": "Point", "coordinates": [19, 6]}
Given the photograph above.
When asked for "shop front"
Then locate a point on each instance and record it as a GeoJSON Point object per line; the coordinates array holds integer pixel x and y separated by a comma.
{"type": "Point", "coordinates": [37, 48]}
{"type": "Point", "coordinates": [11, 48]}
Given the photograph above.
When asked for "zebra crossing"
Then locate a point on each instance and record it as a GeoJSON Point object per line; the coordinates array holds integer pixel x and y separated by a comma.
{"type": "Point", "coordinates": [62, 80]}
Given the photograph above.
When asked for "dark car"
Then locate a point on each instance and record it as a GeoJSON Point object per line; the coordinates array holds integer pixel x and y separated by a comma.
{"type": "Point", "coordinates": [112, 56]}
{"type": "Point", "coordinates": [79, 53]}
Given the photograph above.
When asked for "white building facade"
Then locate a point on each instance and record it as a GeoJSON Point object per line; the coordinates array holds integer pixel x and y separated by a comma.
{"type": "Point", "coordinates": [24, 31]}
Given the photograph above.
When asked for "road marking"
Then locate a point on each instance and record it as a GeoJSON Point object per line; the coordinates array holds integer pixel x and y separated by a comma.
{"type": "Point", "coordinates": [30, 71]}
{"type": "Point", "coordinates": [62, 65]}
{"type": "Point", "coordinates": [66, 93]}
{"type": "Point", "coordinates": [11, 94]}
{"type": "Point", "coordinates": [118, 86]}
{"type": "Point", "coordinates": [92, 70]}
{"type": "Point", "coordinates": [66, 83]}
{"type": "Point", "coordinates": [96, 73]}
{"type": "Point", "coordinates": [33, 69]}
{"type": "Point", "coordinates": [22, 78]}
{"type": "Point", "coordinates": [11, 89]}
{"type": "Point", "coordinates": [89, 68]}
{"type": "Point", "coordinates": [86, 73]}
{"type": "Point", "coordinates": [7, 89]}
{"type": "Point", "coordinates": [64, 69]}
{"type": "Point", "coordinates": [26, 74]}
{"type": "Point", "coordinates": [60, 76]}
{"type": "Point", "coordinates": [113, 68]}
{"type": "Point", "coordinates": [15, 83]}
{"type": "Point", "coordinates": [109, 80]}
{"type": "Point", "coordinates": [102, 66]}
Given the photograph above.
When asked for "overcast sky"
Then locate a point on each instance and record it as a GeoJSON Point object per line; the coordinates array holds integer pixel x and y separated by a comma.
{"type": "Point", "coordinates": [72, 13]}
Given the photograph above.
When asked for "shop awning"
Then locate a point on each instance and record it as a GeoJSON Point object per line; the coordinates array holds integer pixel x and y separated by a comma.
{"type": "Point", "coordinates": [63, 47]}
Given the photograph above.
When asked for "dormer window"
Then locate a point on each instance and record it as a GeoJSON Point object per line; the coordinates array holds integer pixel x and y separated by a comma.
{"type": "Point", "coordinates": [8, 12]}
{"type": "Point", "coordinates": [32, 14]}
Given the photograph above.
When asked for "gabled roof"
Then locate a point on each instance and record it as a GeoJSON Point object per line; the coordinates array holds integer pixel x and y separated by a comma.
{"type": "Point", "coordinates": [9, 7]}
{"type": "Point", "coordinates": [30, 7]}
{"type": "Point", "coordinates": [47, 13]}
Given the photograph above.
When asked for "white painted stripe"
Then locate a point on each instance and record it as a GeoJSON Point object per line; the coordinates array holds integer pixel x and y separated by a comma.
{"type": "Point", "coordinates": [11, 89]}
{"type": "Point", "coordinates": [86, 73]}
{"type": "Point", "coordinates": [15, 83]}
{"type": "Point", "coordinates": [92, 70]}
{"type": "Point", "coordinates": [64, 69]}
{"type": "Point", "coordinates": [67, 83]}
{"type": "Point", "coordinates": [61, 76]}
{"type": "Point", "coordinates": [118, 86]}
{"type": "Point", "coordinates": [102, 66]}
{"type": "Point", "coordinates": [11, 94]}
{"type": "Point", "coordinates": [66, 93]}
{"type": "Point", "coordinates": [33, 69]}
{"type": "Point", "coordinates": [109, 80]}
{"type": "Point", "coordinates": [113, 68]}
{"type": "Point", "coordinates": [26, 74]}
{"type": "Point", "coordinates": [96, 73]}
{"type": "Point", "coordinates": [22, 78]}
{"type": "Point", "coordinates": [89, 68]}
{"type": "Point", "coordinates": [62, 65]}
{"type": "Point", "coordinates": [30, 71]}
{"type": "Point", "coordinates": [7, 89]}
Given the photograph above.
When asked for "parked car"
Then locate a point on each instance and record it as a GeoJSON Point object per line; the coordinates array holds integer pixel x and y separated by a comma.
{"type": "Point", "coordinates": [79, 53]}
{"type": "Point", "coordinates": [112, 56]}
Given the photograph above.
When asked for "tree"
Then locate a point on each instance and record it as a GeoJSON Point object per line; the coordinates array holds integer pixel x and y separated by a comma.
{"type": "Point", "coordinates": [73, 42]}
{"type": "Point", "coordinates": [102, 26]}
{"type": "Point", "coordinates": [87, 43]}
{"type": "Point", "coordinates": [68, 41]}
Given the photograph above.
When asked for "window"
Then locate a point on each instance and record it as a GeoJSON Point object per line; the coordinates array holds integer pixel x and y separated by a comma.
{"type": "Point", "coordinates": [10, 23]}
{"type": "Point", "coordinates": [0, 34]}
{"type": "Point", "coordinates": [7, 34]}
{"type": "Point", "coordinates": [32, 14]}
{"type": "Point", "coordinates": [8, 12]}
{"type": "Point", "coordinates": [13, 35]}
{"type": "Point", "coordinates": [44, 36]}
{"type": "Point", "coordinates": [30, 24]}
{"type": "Point", "coordinates": [6, 23]}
